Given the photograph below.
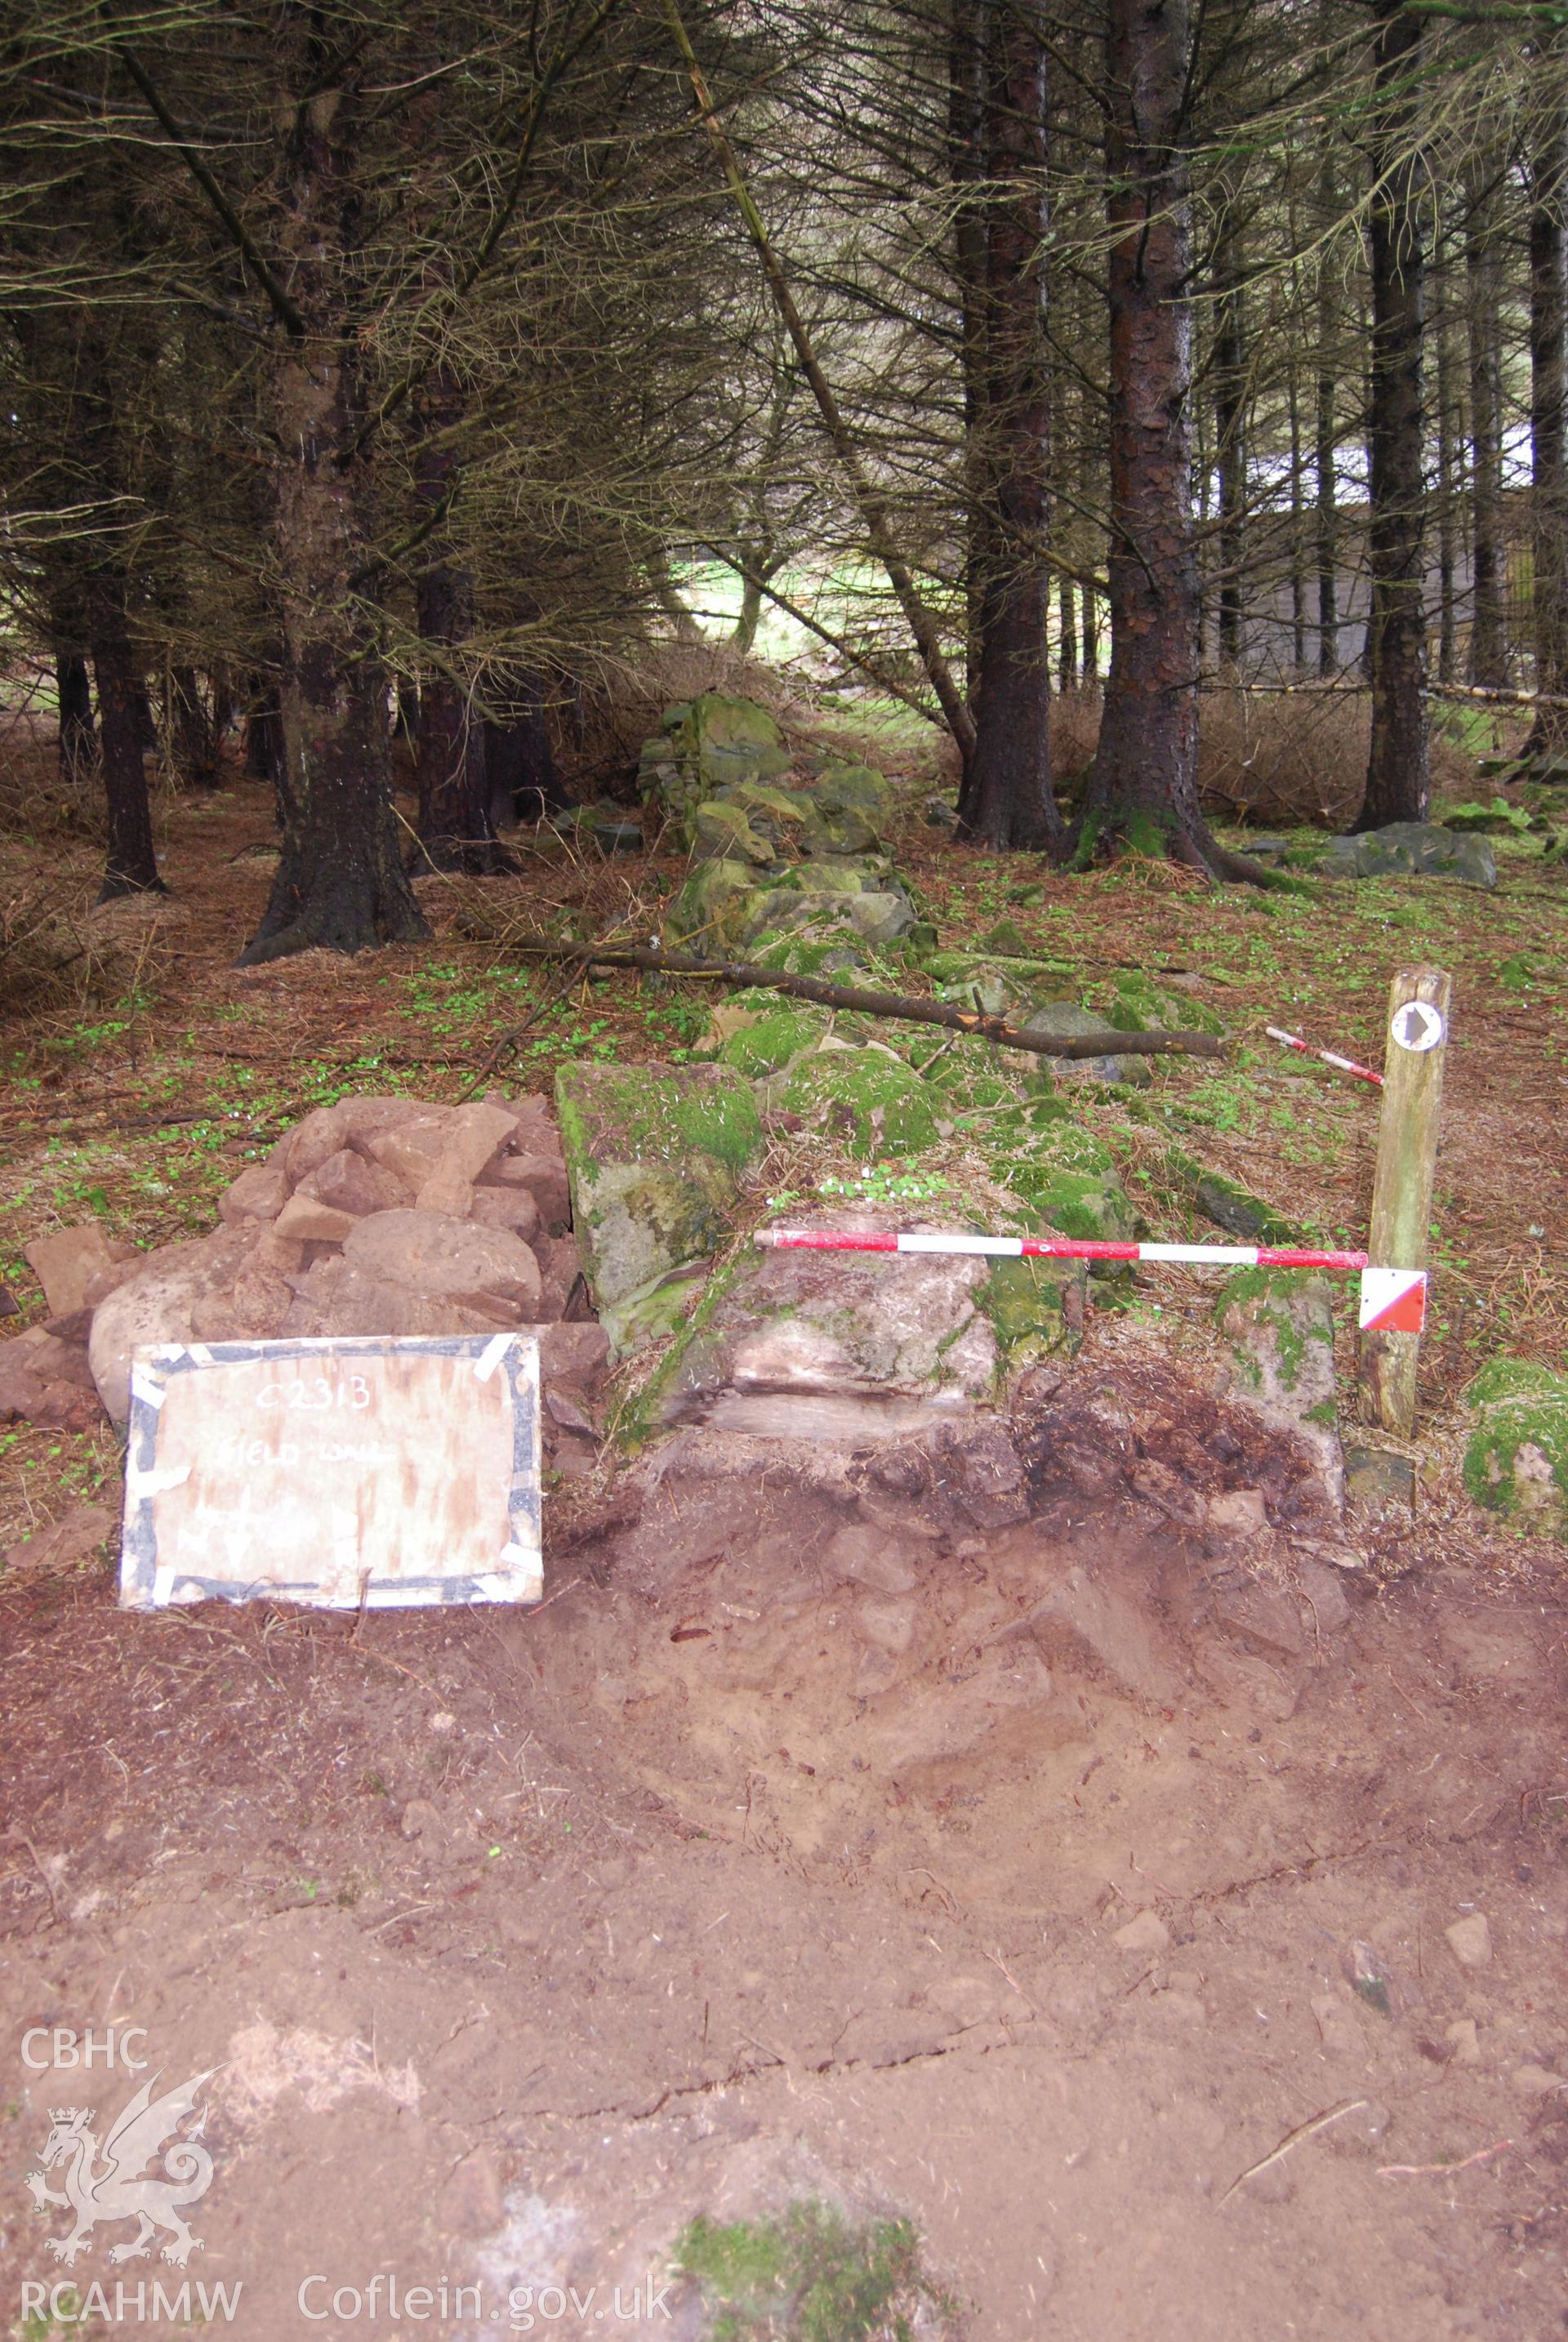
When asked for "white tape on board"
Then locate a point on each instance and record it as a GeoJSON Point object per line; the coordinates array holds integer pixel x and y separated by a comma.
{"type": "Point", "coordinates": [491, 1355]}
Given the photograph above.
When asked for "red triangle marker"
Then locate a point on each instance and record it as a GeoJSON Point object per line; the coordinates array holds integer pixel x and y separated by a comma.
{"type": "Point", "coordinates": [1393, 1300]}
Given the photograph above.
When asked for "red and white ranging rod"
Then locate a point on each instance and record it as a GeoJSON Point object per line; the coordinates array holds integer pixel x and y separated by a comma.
{"type": "Point", "coordinates": [1393, 1300]}
{"type": "Point", "coordinates": [1345, 1065]}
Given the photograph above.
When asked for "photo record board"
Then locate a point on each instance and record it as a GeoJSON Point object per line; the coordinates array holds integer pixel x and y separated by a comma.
{"type": "Point", "coordinates": [378, 1471]}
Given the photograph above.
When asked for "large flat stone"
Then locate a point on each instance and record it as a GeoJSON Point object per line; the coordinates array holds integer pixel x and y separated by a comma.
{"type": "Point", "coordinates": [65, 1262]}
{"type": "Point", "coordinates": [447, 1259]}
{"type": "Point", "coordinates": [181, 1293]}
{"type": "Point", "coordinates": [837, 1345]}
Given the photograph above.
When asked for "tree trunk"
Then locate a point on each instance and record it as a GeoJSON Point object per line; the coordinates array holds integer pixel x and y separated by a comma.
{"type": "Point", "coordinates": [1398, 778]}
{"type": "Point", "coordinates": [1449, 440]}
{"type": "Point", "coordinates": [1325, 441]}
{"type": "Point", "coordinates": [1298, 539]}
{"type": "Point", "coordinates": [1142, 786]}
{"type": "Point", "coordinates": [1067, 627]}
{"type": "Point", "coordinates": [1007, 802]}
{"type": "Point", "coordinates": [1092, 421]}
{"type": "Point", "coordinates": [133, 865]}
{"type": "Point", "coordinates": [1484, 281]}
{"type": "Point", "coordinates": [340, 882]}
{"type": "Point", "coordinates": [968, 42]}
{"type": "Point", "coordinates": [1204, 470]}
{"type": "Point", "coordinates": [1230, 436]}
{"type": "Point", "coordinates": [262, 755]}
{"type": "Point", "coordinates": [191, 733]}
{"type": "Point", "coordinates": [456, 831]}
{"type": "Point", "coordinates": [523, 779]}
{"type": "Point", "coordinates": [749, 619]}
{"type": "Point", "coordinates": [1549, 411]}
{"type": "Point", "coordinates": [74, 692]}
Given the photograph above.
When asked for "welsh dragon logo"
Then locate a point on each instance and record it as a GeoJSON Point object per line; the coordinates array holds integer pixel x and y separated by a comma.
{"type": "Point", "coordinates": [106, 2185]}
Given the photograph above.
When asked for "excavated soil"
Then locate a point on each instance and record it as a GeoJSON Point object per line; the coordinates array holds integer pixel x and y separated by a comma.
{"type": "Point", "coordinates": [1085, 1899]}
{"type": "Point", "coordinates": [1041, 1880]}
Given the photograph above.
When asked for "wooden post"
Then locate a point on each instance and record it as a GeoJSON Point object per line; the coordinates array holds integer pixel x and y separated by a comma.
{"type": "Point", "coordinates": [1401, 1191]}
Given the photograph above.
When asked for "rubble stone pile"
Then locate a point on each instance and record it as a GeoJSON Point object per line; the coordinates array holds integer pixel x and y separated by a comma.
{"type": "Point", "coordinates": [374, 1216]}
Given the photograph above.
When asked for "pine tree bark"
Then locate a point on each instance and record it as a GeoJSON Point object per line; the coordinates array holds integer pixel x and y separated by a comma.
{"type": "Point", "coordinates": [262, 757]}
{"type": "Point", "coordinates": [1549, 410]}
{"type": "Point", "coordinates": [340, 882]}
{"type": "Point", "coordinates": [1298, 537]}
{"type": "Point", "coordinates": [1091, 425]}
{"type": "Point", "coordinates": [1484, 282]}
{"type": "Point", "coordinates": [132, 867]}
{"type": "Point", "coordinates": [1398, 779]}
{"type": "Point", "coordinates": [1325, 447]}
{"type": "Point", "coordinates": [1449, 467]}
{"type": "Point", "coordinates": [1142, 786]}
{"type": "Point", "coordinates": [73, 697]}
{"type": "Point", "coordinates": [1067, 630]}
{"type": "Point", "coordinates": [1007, 802]}
{"type": "Point", "coordinates": [192, 739]}
{"type": "Point", "coordinates": [456, 829]}
{"type": "Point", "coordinates": [523, 778]}
{"type": "Point", "coordinates": [1230, 431]}
{"type": "Point", "coordinates": [968, 43]}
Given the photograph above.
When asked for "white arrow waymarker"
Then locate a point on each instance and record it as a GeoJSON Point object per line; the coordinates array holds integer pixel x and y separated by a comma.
{"type": "Point", "coordinates": [1392, 1299]}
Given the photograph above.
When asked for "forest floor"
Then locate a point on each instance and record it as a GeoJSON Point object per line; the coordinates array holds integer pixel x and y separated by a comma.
{"type": "Point", "coordinates": [514, 1954]}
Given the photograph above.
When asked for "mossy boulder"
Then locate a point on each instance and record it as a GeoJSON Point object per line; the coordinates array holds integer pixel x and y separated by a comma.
{"type": "Point", "coordinates": [830, 955]}
{"type": "Point", "coordinates": [952, 966]}
{"type": "Point", "coordinates": [1228, 1204]}
{"type": "Point", "coordinates": [653, 1154]}
{"type": "Point", "coordinates": [704, 744]}
{"type": "Point", "coordinates": [1423, 849]}
{"type": "Point", "coordinates": [863, 894]}
{"type": "Point", "coordinates": [719, 831]}
{"type": "Point", "coordinates": [772, 1040]}
{"type": "Point", "coordinates": [1035, 1309]}
{"type": "Point", "coordinates": [985, 989]}
{"type": "Point", "coordinates": [713, 909]}
{"type": "Point", "coordinates": [1278, 1328]}
{"type": "Point", "coordinates": [870, 1096]}
{"type": "Point", "coordinates": [850, 809]}
{"type": "Point", "coordinates": [1094, 1208]}
{"type": "Point", "coordinates": [1066, 1020]}
{"type": "Point", "coordinates": [1516, 1459]}
{"type": "Point", "coordinates": [1138, 1005]}
{"type": "Point", "coordinates": [749, 821]}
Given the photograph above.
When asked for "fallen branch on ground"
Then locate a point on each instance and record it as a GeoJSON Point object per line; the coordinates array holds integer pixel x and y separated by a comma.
{"type": "Point", "coordinates": [745, 974]}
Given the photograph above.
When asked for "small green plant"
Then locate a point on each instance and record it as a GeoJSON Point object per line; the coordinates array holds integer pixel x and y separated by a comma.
{"type": "Point", "coordinates": [883, 1183]}
{"type": "Point", "coordinates": [813, 2276]}
{"type": "Point", "coordinates": [43, 2325]}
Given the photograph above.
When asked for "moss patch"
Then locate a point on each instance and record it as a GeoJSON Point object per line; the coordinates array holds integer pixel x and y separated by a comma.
{"type": "Point", "coordinates": [1139, 1005]}
{"type": "Point", "coordinates": [1032, 1307]}
{"type": "Point", "coordinates": [1092, 1208]}
{"type": "Point", "coordinates": [777, 1035]}
{"type": "Point", "coordinates": [887, 1109]}
{"type": "Point", "coordinates": [1279, 1322]}
{"type": "Point", "coordinates": [1516, 1459]}
{"type": "Point", "coordinates": [813, 2276]}
{"type": "Point", "coordinates": [652, 1153]}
